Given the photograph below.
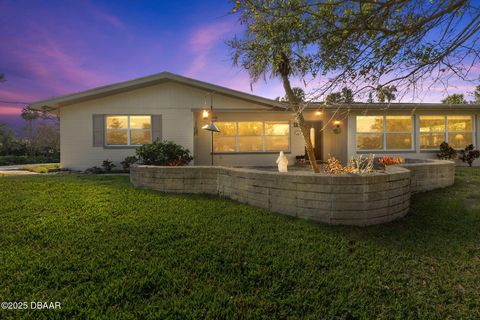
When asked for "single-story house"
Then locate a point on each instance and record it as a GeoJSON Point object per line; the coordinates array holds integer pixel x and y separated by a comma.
{"type": "Point", "coordinates": [109, 122]}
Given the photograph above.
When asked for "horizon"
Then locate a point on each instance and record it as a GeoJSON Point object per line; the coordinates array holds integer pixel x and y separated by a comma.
{"type": "Point", "coordinates": [63, 47]}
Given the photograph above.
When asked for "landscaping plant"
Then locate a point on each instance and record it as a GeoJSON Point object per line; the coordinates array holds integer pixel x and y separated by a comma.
{"type": "Point", "coordinates": [388, 161]}
{"type": "Point", "coordinates": [446, 152]}
{"type": "Point", "coordinates": [333, 166]}
{"type": "Point", "coordinates": [469, 154]}
{"type": "Point", "coordinates": [108, 165]}
{"type": "Point", "coordinates": [166, 153]}
{"type": "Point", "coordinates": [94, 170]}
{"type": "Point", "coordinates": [127, 162]}
{"type": "Point", "coordinates": [361, 164]}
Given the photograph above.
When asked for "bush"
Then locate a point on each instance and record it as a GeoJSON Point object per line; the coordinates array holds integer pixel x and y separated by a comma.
{"type": "Point", "coordinates": [12, 160]}
{"type": "Point", "coordinates": [166, 153]}
{"type": "Point", "coordinates": [95, 170]}
{"type": "Point", "coordinates": [388, 161]}
{"type": "Point", "coordinates": [333, 166]}
{"type": "Point", "coordinates": [446, 152]}
{"type": "Point", "coordinates": [361, 164]}
{"type": "Point", "coordinates": [469, 155]}
{"type": "Point", "coordinates": [108, 165]}
{"type": "Point", "coordinates": [128, 162]}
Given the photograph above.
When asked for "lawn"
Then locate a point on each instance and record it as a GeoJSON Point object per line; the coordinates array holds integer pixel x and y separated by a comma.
{"type": "Point", "coordinates": [106, 250]}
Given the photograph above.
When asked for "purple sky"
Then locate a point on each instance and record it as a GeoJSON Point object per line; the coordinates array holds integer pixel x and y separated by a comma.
{"type": "Point", "coordinates": [52, 48]}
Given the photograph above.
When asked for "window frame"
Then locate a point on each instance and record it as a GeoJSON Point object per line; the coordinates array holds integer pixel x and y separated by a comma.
{"type": "Point", "coordinates": [263, 135]}
{"type": "Point", "coordinates": [384, 133]}
{"type": "Point", "coordinates": [446, 131]}
{"type": "Point", "coordinates": [128, 129]}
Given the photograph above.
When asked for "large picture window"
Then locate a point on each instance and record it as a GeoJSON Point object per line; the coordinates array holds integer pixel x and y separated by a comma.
{"type": "Point", "coordinates": [380, 133]}
{"type": "Point", "coordinates": [252, 136]}
{"type": "Point", "coordinates": [456, 130]}
{"type": "Point", "coordinates": [127, 130]}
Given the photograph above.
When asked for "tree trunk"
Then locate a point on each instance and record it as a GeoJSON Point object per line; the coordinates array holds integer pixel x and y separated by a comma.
{"type": "Point", "coordinates": [294, 104]}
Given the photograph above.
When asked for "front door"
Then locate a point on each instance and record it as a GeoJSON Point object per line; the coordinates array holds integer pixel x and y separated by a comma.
{"type": "Point", "coordinates": [315, 128]}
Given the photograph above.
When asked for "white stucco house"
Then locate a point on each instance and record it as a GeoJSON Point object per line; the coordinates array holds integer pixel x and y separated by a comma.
{"type": "Point", "coordinates": [109, 122]}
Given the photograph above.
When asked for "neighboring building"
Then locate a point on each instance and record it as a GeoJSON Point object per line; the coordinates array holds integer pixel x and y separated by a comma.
{"type": "Point", "coordinates": [109, 122]}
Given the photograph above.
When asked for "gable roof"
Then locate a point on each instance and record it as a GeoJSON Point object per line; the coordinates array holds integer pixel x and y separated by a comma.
{"type": "Point", "coordinates": [137, 83]}
{"type": "Point", "coordinates": [162, 77]}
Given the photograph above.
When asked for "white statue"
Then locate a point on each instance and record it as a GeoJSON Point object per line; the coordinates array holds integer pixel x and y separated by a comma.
{"type": "Point", "coordinates": [282, 162]}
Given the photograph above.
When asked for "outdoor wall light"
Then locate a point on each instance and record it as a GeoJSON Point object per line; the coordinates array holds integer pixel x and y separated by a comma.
{"type": "Point", "coordinates": [336, 127]}
{"type": "Point", "coordinates": [205, 114]}
{"type": "Point", "coordinates": [318, 113]}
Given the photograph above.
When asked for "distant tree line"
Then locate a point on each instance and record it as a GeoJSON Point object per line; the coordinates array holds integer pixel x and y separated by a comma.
{"type": "Point", "coordinates": [459, 98]}
{"type": "Point", "coordinates": [39, 143]}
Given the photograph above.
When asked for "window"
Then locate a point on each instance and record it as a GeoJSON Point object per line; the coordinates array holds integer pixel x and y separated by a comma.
{"type": "Point", "coordinates": [128, 130]}
{"type": "Point", "coordinates": [456, 130]}
{"type": "Point", "coordinates": [254, 136]}
{"type": "Point", "coordinates": [384, 133]}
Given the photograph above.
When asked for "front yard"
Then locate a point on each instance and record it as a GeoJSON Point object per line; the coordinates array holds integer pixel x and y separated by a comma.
{"type": "Point", "coordinates": [106, 250]}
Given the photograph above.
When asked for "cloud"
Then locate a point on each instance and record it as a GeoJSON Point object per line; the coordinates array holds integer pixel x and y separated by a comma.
{"type": "Point", "coordinates": [49, 62]}
{"type": "Point", "coordinates": [104, 16]}
{"type": "Point", "coordinates": [6, 110]}
{"type": "Point", "coordinates": [202, 42]}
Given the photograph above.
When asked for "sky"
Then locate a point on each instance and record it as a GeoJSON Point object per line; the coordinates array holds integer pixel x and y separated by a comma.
{"type": "Point", "coordinates": [52, 48]}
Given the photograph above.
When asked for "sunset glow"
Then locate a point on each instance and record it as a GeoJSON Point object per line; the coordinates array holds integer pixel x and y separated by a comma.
{"type": "Point", "coordinates": [59, 47]}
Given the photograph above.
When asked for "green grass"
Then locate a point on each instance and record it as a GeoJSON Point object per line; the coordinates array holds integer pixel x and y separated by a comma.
{"type": "Point", "coordinates": [107, 250]}
{"type": "Point", "coordinates": [43, 168]}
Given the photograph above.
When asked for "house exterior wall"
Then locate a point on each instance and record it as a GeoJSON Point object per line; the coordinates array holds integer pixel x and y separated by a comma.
{"type": "Point", "coordinates": [332, 143]}
{"type": "Point", "coordinates": [416, 153]}
{"type": "Point", "coordinates": [172, 100]}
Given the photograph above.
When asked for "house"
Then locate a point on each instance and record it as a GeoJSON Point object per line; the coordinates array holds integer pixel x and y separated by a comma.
{"type": "Point", "coordinates": [109, 122]}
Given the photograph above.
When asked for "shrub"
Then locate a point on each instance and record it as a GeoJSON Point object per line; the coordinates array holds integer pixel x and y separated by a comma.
{"type": "Point", "coordinates": [95, 170]}
{"type": "Point", "coordinates": [446, 152]}
{"type": "Point", "coordinates": [361, 164]}
{"type": "Point", "coordinates": [108, 165]}
{"type": "Point", "coordinates": [333, 166]}
{"type": "Point", "coordinates": [165, 153]}
{"type": "Point", "coordinates": [11, 160]}
{"type": "Point", "coordinates": [469, 154]}
{"type": "Point", "coordinates": [128, 162]}
{"type": "Point", "coordinates": [388, 161]}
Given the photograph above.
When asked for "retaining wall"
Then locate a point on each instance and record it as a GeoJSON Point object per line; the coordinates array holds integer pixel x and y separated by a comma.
{"type": "Point", "coordinates": [426, 175]}
{"type": "Point", "coordinates": [335, 199]}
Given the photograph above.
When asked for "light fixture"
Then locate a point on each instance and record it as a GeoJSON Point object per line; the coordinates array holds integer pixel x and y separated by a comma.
{"type": "Point", "coordinates": [211, 127]}
{"type": "Point", "coordinates": [205, 114]}
{"type": "Point", "coordinates": [336, 128]}
{"type": "Point", "coordinates": [318, 113]}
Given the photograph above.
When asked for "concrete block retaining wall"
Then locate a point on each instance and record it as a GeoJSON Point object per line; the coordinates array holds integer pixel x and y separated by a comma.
{"type": "Point", "coordinates": [335, 199]}
{"type": "Point", "coordinates": [426, 175]}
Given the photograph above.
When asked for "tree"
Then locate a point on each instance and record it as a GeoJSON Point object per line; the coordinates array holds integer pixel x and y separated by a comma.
{"type": "Point", "coordinates": [7, 137]}
{"type": "Point", "coordinates": [455, 99]}
{"type": "Point", "coordinates": [341, 97]}
{"type": "Point", "coordinates": [298, 93]}
{"type": "Point", "coordinates": [476, 95]}
{"type": "Point", "coordinates": [367, 44]}
{"type": "Point", "coordinates": [46, 139]}
{"type": "Point", "coordinates": [29, 115]}
{"type": "Point", "coordinates": [386, 94]}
